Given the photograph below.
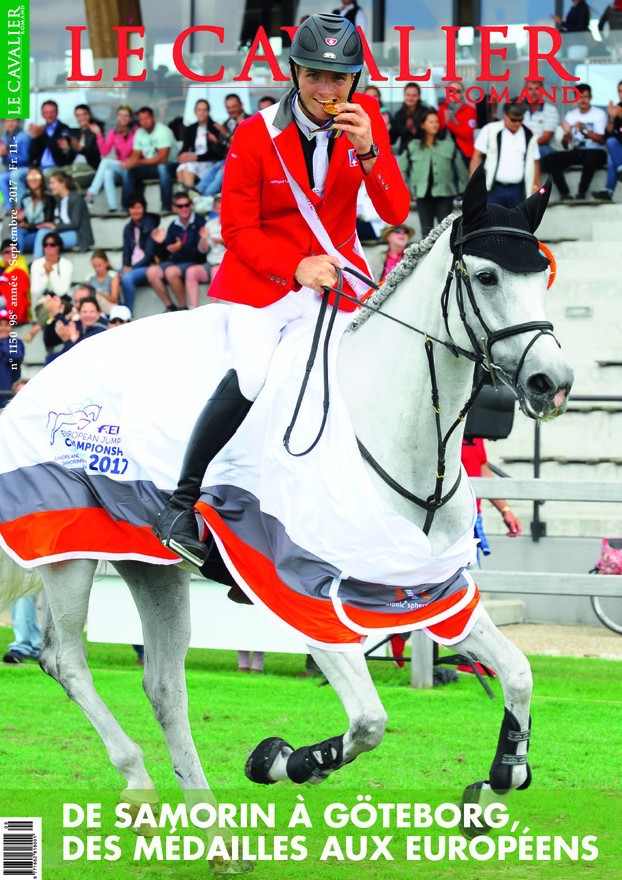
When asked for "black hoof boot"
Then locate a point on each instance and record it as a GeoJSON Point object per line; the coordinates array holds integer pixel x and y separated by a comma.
{"type": "Point", "coordinates": [315, 763]}
{"type": "Point", "coordinates": [263, 757]}
{"type": "Point", "coordinates": [507, 757]}
{"type": "Point", "coordinates": [178, 530]}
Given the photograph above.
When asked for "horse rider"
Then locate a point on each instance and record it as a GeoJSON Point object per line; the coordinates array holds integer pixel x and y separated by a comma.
{"type": "Point", "coordinates": [288, 219]}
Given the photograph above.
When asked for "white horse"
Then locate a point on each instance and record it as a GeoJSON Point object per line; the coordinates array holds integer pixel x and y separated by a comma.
{"type": "Point", "coordinates": [492, 315]}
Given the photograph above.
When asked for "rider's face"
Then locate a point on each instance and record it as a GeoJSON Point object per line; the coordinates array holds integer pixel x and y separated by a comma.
{"type": "Point", "coordinates": [319, 86]}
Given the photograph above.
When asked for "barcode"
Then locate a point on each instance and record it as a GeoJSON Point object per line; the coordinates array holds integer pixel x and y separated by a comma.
{"type": "Point", "coordinates": [20, 841]}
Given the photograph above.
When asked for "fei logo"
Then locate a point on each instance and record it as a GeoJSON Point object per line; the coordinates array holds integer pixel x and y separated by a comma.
{"type": "Point", "coordinates": [78, 419]}
{"type": "Point", "coordinates": [354, 162]}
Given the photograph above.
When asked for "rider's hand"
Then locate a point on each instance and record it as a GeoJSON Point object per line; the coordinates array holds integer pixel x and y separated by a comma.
{"type": "Point", "coordinates": [512, 523]}
{"type": "Point", "coordinates": [317, 272]}
{"type": "Point", "coordinates": [357, 125]}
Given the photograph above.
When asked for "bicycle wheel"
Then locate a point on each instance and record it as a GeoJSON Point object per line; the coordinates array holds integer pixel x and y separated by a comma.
{"type": "Point", "coordinates": [609, 612]}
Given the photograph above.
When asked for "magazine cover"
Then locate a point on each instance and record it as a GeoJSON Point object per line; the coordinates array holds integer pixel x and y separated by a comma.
{"type": "Point", "coordinates": [309, 472]}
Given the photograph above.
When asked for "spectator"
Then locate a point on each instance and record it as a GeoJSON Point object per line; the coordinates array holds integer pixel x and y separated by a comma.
{"type": "Point", "coordinates": [84, 143]}
{"type": "Point", "coordinates": [405, 125]}
{"type": "Point", "coordinates": [429, 168]}
{"type": "Point", "coordinates": [119, 315]}
{"type": "Point", "coordinates": [71, 217]}
{"type": "Point", "coordinates": [583, 142]}
{"type": "Point", "coordinates": [244, 661]}
{"type": "Point", "coordinates": [26, 632]}
{"type": "Point", "coordinates": [541, 117]}
{"type": "Point", "coordinates": [353, 12]}
{"type": "Point", "coordinates": [59, 309]}
{"type": "Point", "coordinates": [49, 146]}
{"type": "Point", "coordinates": [612, 16]}
{"type": "Point", "coordinates": [20, 161]}
{"type": "Point", "coordinates": [36, 212]}
{"type": "Point", "coordinates": [211, 183]}
{"type": "Point", "coordinates": [512, 158]}
{"type": "Point", "coordinates": [15, 286]}
{"type": "Point", "coordinates": [475, 462]}
{"type": "Point", "coordinates": [153, 142]}
{"type": "Point", "coordinates": [51, 272]}
{"type": "Point", "coordinates": [211, 243]}
{"type": "Point", "coordinates": [104, 282]}
{"type": "Point", "coordinates": [11, 356]}
{"type": "Point", "coordinates": [383, 261]}
{"type": "Point", "coordinates": [120, 141]}
{"type": "Point", "coordinates": [266, 101]}
{"type": "Point", "coordinates": [614, 148]}
{"type": "Point", "coordinates": [374, 91]}
{"type": "Point", "coordinates": [201, 149]}
{"type": "Point", "coordinates": [181, 243]}
{"type": "Point", "coordinates": [459, 118]}
{"type": "Point", "coordinates": [577, 20]}
{"type": "Point", "coordinates": [89, 325]}
{"type": "Point", "coordinates": [139, 248]}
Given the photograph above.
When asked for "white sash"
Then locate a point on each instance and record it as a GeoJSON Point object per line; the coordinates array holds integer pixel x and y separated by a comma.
{"type": "Point", "coordinates": [310, 215]}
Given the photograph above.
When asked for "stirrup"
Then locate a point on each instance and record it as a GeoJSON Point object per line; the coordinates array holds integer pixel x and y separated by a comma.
{"type": "Point", "coordinates": [163, 529]}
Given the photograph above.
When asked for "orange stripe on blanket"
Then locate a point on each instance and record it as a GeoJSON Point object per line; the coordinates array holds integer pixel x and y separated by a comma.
{"type": "Point", "coordinates": [79, 530]}
{"type": "Point", "coordinates": [381, 620]}
{"type": "Point", "coordinates": [314, 618]}
{"type": "Point", "coordinates": [454, 626]}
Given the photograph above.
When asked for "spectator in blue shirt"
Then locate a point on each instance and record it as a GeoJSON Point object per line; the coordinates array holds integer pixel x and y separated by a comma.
{"type": "Point", "coordinates": [139, 248]}
{"type": "Point", "coordinates": [181, 246]}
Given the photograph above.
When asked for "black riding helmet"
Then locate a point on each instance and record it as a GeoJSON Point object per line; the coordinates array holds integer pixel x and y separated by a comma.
{"type": "Point", "coordinates": [327, 42]}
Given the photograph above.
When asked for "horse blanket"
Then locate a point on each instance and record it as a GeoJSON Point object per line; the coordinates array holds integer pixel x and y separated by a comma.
{"type": "Point", "coordinates": [91, 448]}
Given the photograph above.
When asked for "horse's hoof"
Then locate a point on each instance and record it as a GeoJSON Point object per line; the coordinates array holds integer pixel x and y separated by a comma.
{"type": "Point", "coordinates": [472, 795]}
{"type": "Point", "coordinates": [136, 800]}
{"type": "Point", "coordinates": [263, 756]}
{"type": "Point", "coordinates": [221, 866]}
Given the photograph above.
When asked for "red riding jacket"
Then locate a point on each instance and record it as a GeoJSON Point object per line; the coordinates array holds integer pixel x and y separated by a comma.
{"type": "Point", "coordinates": [263, 230]}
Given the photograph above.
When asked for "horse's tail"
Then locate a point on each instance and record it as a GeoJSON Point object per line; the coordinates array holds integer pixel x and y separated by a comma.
{"type": "Point", "coordinates": [16, 581]}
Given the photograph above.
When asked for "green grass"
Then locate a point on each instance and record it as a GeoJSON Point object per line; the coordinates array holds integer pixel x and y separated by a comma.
{"type": "Point", "coordinates": [436, 742]}
{"type": "Point", "coordinates": [439, 737]}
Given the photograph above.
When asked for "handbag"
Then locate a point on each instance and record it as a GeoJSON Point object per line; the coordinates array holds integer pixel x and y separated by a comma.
{"type": "Point", "coordinates": [610, 561]}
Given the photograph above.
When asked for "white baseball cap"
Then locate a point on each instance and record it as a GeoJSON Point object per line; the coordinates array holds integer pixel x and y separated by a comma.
{"type": "Point", "coordinates": [120, 313]}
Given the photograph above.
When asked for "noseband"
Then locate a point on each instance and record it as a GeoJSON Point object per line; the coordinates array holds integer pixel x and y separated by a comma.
{"type": "Point", "coordinates": [481, 354]}
{"type": "Point", "coordinates": [483, 346]}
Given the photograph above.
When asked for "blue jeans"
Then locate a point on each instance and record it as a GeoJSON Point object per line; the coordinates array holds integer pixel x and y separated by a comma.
{"type": "Point", "coordinates": [508, 195]}
{"type": "Point", "coordinates": [18, 176]}
{"type": "Point", "coordinates": [26, 627]}
{"type": "Point", "coordinates": [107, 175]}
{"type": "Point", "coordinates": [25, 240]}
{"type": "Point", "coordinates": [132, 180]}
{"type": "Point", "coordinates": [129, 283]}
{"type": "Point", "coordinates": [545, 149]}
{"type": "Point", "coordinates": [69, 239]}
{"type": "Point", "coordinates": [614, 161]}
{"type": "Point", "coordinates": [211, 182]}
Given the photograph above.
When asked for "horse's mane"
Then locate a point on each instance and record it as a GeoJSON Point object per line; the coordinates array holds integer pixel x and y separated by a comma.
{"type": "Point", "coordinates": [413, 253]}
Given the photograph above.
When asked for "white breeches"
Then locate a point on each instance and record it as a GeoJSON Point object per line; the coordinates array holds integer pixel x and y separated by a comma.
{"type": "Point", "coordinates": [254, 334]}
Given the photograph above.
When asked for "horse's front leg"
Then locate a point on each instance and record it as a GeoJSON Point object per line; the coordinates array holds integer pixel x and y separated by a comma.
{"type": "Point", "coordinates": [509, 769]}
{"type": "Point", "coordinates": [274, 759]}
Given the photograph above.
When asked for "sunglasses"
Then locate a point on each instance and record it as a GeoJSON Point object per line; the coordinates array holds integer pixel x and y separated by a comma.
{"type": "Point", "coordinates": [183, 204]}
{"type": "Point", "coordinates": [401, 229]}
{"type": "Point", "coordinates": [116, 321]}
{"type": "Point", "coordinates": [50, 244]}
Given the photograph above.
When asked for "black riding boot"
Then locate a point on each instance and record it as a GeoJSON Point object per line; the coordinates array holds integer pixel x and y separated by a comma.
{"type": "Point", "coordinates": [220, 418]}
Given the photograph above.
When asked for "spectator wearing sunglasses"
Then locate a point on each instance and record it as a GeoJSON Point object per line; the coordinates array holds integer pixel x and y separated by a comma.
{"type": "Point", "coordinates": [383, 260]}
{"type": "Point", "coordinates": [180, 247]}
{"type": "Point", "coordinates": [119, 315]}
{"type": "Point", "coordinates": [51, 272]}
{"type": "Point", "coordinates": [512, 157]}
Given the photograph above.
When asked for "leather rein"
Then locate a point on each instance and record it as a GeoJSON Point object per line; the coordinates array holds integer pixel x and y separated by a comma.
{"type": "Point", "coordinates": [481, 354]}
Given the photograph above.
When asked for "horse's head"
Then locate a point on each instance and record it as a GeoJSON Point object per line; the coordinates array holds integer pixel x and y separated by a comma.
{"type": "Point", "coordinates": [501, 281]}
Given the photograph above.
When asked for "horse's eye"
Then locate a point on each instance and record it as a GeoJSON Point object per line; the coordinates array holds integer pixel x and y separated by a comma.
{"type": "Point", "coordinates": [487, 279]}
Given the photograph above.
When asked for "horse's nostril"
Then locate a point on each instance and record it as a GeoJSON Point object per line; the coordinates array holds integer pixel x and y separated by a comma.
{"type": "Point", "coordinates": [540, 383]}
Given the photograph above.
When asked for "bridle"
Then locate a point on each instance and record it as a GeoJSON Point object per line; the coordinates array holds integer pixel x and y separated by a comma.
{"type": "Point", "coordinates": [481, 355]}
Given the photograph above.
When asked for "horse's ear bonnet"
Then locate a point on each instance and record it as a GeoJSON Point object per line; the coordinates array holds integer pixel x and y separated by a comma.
{"type": "Point", "coordinates": [509, 252]}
